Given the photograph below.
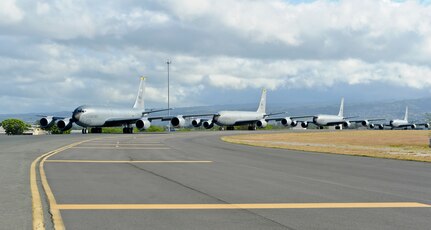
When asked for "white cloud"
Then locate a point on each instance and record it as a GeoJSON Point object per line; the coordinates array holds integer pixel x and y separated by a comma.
{"type": "Point", "coordinates": [66, 47]}
{"type": "Point", "coordinates": [10, 12]}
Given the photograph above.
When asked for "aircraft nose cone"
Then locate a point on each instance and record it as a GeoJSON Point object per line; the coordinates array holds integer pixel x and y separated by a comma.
{"type": "Point", "coordinates": [216, 117]}
{"type": "Point", "coordinates": [76, 115]}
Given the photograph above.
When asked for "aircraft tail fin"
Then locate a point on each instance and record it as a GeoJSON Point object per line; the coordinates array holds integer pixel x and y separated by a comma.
{"type": "Point", "coordinates": [406, 115]}
{"type": "Point", "coordinates": [139, 103]}
{"type": "Point", "coordinates": [262, 104]}
{"type": "Point", "coordinates": [341, 113]}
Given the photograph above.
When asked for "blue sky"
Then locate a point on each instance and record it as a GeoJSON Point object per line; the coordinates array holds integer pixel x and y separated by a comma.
{"type": "Point", "coordinates": [57, 55]}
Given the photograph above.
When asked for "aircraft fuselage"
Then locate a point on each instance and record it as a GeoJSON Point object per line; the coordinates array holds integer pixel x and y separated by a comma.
{"type": "Point", "coordinates": [323, 120]}
{"type": "Point", "coordinates": [91, 116]}
{"type": "Point", "coordinates": [231, 118]}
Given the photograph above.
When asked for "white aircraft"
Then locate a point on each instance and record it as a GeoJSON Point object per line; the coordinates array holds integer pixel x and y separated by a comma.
{"type": "Point", "coordinates": [322, 120]}
{"type": "Point", "coordinates": [96, 117]}
{"type": "Point", "coordinates": [403, 124]}
{"type": "Point", "coordinates": [229, 119]}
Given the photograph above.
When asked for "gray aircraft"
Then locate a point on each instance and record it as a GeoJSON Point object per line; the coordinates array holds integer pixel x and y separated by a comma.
{"type": "Point", "coordinates": [97, 117]}
{"type": "Point", "coordinates": [321, 120]}
{"type": "Point", "coordinates": [229, 119]}
{"type": "Point", "coordinates": [403, 124]}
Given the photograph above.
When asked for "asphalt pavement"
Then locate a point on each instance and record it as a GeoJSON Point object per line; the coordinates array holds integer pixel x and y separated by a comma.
{"type": "Point", "coordinates": [195, 181]}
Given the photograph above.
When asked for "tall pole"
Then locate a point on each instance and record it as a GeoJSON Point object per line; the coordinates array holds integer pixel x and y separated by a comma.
{"type": "Point", "coordinates": [168, 62]}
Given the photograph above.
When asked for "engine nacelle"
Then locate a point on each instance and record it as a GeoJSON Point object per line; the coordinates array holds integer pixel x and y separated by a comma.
{"type": "Point", "coordinates": [347, 124]}
{"type": "Point", "coordinates": [64, 124]}
{"type": "Point", "coordinates": [196, 122]}
{"type": "Point", "coordinates": [143, 124]}
{"type": "Point", "coordinates": [261, 123]}
{"type": "Point", "coordinates": [381, 126]}
{"type": "Point", "coordinates": [287, 121]}
{"type": "Point", "coordinates": [413, 126]}
{"type": "Point", "coordinates": [365, 123]}
{"type": "Point", "coordinates": [178, 122]}
{"type": "Point", "coordinates": [46, 122]}
{"type": "Point", "coordinates": [427, 125]}
{"type": "Point", "coordinates": [208, 124]}
{"type": "Point", "coordinates": [304, 124]}
{"type": "Point", "coordinates": [372, 126]}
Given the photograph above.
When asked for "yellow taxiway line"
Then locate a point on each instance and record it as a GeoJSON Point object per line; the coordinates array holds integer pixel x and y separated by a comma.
{"type": "Point", "coordinates": [114, 147]}
{"type": "Point", "coordinates": [97, 161]}
{"type": "Point", "coordinates": [239, 206]}
{"type": "Point", "coordinates": [37, 208]}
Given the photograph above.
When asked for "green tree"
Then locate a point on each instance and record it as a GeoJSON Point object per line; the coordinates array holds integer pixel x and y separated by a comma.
{"type": "Point", "coordinates": [14, 126]}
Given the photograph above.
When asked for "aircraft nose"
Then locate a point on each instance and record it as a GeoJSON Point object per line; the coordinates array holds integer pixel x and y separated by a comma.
{"type": "Point", "coordinates": [216, 117]}
{"type": "Point", "coordinates": [76, 115]}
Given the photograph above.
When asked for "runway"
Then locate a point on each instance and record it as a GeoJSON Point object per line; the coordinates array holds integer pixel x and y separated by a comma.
{"type": "Point", "coordinates": [196, 181]}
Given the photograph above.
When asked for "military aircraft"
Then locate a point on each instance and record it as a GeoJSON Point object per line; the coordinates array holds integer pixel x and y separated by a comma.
{"type": "Point", "coordinates": [97, 117]}
{"type": "Point", "coordinates": [403, 124]}
{"type": "Point", "coordinates": [229, 119]}
{"type": "Point", "coordinates": [321, 120]}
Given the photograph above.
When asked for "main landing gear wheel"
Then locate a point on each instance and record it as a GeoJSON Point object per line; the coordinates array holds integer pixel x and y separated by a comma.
{"type": "Point", "coordinates": [96, 130]}
{"type": "Point", "coordinates": [252, 127]}
{"type": "Point", "coordinates": [84, 131]}
{"type": "Point", "coordinates": [230, 128]}
{"type": "Point", "coordinates": [128, 130]}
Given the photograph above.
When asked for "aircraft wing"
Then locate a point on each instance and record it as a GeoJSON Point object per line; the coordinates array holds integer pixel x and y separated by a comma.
{"type": "Point", "coordinates": [361, 120]}
{"type": "Point", "coordinates": [154, 111]}
{"type": "Point", "coordinates": [53, 117]}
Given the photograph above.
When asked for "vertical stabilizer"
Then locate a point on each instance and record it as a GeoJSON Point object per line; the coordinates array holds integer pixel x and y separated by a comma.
{"type": "Point", "coordinates": [139, 103]}
{"type": "Point", "coordinates": [262, 104]}
{"type": "Point", "coordinates": [341, 113]}
{"type": "Point", "coordinates": [406, 116]}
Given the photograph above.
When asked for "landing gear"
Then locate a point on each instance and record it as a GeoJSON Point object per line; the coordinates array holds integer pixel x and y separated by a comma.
{"type": "Point", "coordinates": [128, 130]}
{"type": "Point", "coordinates": [252, 127]}
{"type": "Point", "coordinates": [320, 127]}
{"type": "Point", "coordinates": [96, 130]}
{"type": "Point", "coordinates": [338, 127]}
{"type": "Point", "coordinates": [230, 128]}
{"type": "Point", "coordinates": [84, 131]}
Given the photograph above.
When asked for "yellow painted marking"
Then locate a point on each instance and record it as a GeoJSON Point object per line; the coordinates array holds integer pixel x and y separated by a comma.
{"type": "Point", "coordinates": [97, 161]}
{"type": "Point", "coordinates": [240, 206]}
{"type": "Point", "coordinates": [37, 209]}
{"type": "Point", "coordinates": [119, 144]}
{"type": "Point", "coordinates": [95, 147]}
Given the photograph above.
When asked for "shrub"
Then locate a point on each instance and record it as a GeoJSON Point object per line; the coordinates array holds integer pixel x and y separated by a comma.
{"type": "Point", "coordinates": [14, 126]}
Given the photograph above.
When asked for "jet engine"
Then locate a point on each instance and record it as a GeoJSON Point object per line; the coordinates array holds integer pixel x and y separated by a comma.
{"type": "Point", "coordinates": [372, 126]}
{"type": "Point", "coordinates": [196, 122]}
{"type": "Point", "coordinates": [287, 121]}
{"type": "Point", "coordinates": [413, 126]}
{"type": "Point", "coordinates": [208, 124]}
{"type": "Point", "coordinates": [365, 123]}
{"type": "Point", "coordinates": [64, 124]}
{"type": "Point", "coordinates": [380, 126]}
{"type": "Point", "coordinates": [178, 122]}
{"type": "Point", "coordinates": [46, 122]}
{"type": "Point", "coordinates": [347, 124]}
{"type": "Point", "coordinates": [304, 124]}
{"type": "Point", "coordinates": [261, 123]}
{"type": "Point", "coordinates": [427, 125]}
{"type": "Point", "coordinates": [143, 124]}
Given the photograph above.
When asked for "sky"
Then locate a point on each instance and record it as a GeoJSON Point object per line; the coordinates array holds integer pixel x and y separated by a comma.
{"type": "Point", "coordinates": [57, 55]}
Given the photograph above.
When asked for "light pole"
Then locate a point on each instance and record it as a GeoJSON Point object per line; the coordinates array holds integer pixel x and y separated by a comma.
{"type": "Point", "coordinates": [168, 62]}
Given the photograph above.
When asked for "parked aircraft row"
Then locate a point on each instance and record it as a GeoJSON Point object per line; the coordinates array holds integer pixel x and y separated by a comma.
{"type": "Point", "coordinates": [94, 118]}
